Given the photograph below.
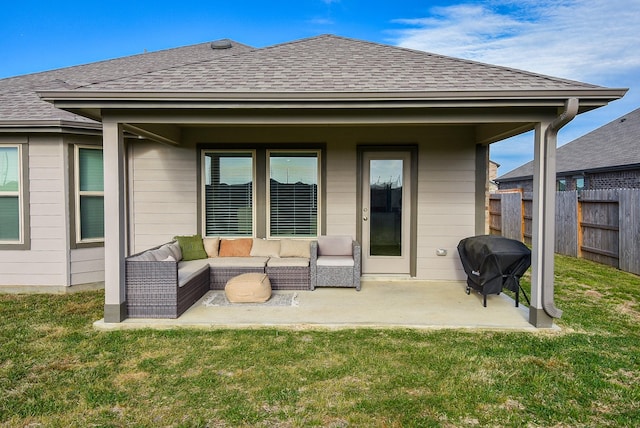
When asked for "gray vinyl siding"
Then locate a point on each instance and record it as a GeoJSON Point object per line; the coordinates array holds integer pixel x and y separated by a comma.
{"type": "Point", "coordinates": [446, 201]}
{"type": "Point", "coordinates": [46, 263]}
{"type": "Point", "coordinates": [87, 265]}
{"type": "Point", "coordinates": [341, 189]}
{"type": "Point", "coordinates": [163, 185]}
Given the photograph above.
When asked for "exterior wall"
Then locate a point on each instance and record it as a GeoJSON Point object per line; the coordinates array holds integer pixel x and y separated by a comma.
{"type": "Point", "coordinates": [493, 174]}
{"type": "Point", "coordinates": [163, 185]}
{"type": "Point", "coordinates": [87, 265]}
{"type": "Point", "coordinates": [50, 263]}
{"type": "Point", "coordinates": [46, 263]}
{"type": "Point", "coordinates": [629, 179]}
{"type": "Point", "coordinates": [341, 188]}
{"type": "Point", "coordinates": [613, 180]}
{"type": "Point", "coordinates": [163, 193]}
{"type": "Point", "coordinates": [525, 185]}
{"type": "Point", "coordinates": [446, 205]}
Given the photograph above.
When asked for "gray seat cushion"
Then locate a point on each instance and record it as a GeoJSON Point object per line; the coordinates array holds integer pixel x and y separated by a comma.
{"type": "Point", "coordinates": [288, 262]}
{"type": "Point", "coordinates": [238, 262]}
{"type": "Point", "coordinates": [335, 261]}
{"type": "Point", "coordinates": [189, 269]}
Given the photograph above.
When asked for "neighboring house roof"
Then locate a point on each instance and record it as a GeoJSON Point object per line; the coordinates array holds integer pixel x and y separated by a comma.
{"type": "Point", "coordinates": [614, 145]}
{"type": "Point", "coordinates": [19, 101]}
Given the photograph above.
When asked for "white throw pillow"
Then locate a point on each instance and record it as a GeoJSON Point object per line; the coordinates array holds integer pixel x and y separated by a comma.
{"type": "Point", "coordinates": [211, 246]}
{"type": "Point", "coordinates": [265, 248]}
{"type": "Point", "coordinates": [295, 248]}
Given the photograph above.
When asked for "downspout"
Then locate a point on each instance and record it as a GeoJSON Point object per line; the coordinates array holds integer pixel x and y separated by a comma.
{"type": "Point", "coordinates": [551, 140]}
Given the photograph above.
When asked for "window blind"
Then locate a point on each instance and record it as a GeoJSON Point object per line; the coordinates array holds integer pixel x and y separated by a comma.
{"type": "Point", "coordinates": [9, 218]}
{"type": "Point", "coordinates": [9, 194]}
{"type": "Point", "coordinates": [293, 194]}
{"type": "Point", "coordinates": [91, 193]}
{"type": "Point", "coordinates": [229, 194]}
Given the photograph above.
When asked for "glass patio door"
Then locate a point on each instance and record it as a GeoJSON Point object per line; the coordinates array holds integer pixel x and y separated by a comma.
{"type": "Point", "coordinates": [386, 213]}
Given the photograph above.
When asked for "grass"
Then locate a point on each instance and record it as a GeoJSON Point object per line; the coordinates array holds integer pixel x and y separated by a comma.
{"type": "Point", "coordinates": [55, 370]}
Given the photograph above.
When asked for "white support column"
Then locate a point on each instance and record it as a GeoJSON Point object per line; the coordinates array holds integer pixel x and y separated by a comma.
{"type": "Point", "coordinates": [115, 309]}
{"type": "Point", "coordinates": [543, 228]}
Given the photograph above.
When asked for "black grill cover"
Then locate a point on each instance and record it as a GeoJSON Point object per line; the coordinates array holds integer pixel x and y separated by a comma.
{"type": "Point", "coordinates": [493, 262]}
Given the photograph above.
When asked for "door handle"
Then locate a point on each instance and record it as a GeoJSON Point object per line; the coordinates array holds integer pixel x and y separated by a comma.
{"type": "Point", "coordinates": [365, 218]}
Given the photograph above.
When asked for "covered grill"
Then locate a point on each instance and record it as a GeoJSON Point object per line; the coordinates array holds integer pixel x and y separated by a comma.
{"type": "Point", "coordinates": [493, 263]}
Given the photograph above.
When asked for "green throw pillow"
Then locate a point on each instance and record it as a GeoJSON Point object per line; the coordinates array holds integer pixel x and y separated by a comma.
{"type": "Point", "coordinates": [191, 247]}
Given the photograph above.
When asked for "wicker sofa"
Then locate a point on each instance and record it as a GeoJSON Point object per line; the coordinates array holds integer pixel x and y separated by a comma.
{"type": "Point", "coordinates": [159, 284]}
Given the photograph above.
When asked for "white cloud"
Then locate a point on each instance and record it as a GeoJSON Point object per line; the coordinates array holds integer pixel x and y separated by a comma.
{"type": "Point", "coordinates": [577, 39]}
{"type": "Point", "coordinates": [595, 41]}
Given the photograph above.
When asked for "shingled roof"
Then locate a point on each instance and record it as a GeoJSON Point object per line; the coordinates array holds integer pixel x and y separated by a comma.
{"type": "Point", "coordinates": [324, 64]}
{"type": "Point", "coordinates": [330, 63]}
{"type": "Point", "coordinates": [20, 102]}
{"type": "Point", "coordinates": [616, 144]}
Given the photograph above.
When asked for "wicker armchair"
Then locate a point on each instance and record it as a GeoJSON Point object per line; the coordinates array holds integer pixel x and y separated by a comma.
{"type": "Point", "coordinates": [335, 262]}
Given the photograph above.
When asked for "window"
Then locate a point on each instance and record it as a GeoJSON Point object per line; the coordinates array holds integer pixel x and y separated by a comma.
{"type": "Point", "coordinates": [89, 178]}
{"type": "Point", "coordinates": [10, 195]}
{"type": "Point", "coordinates": [293, 194]}
{"type": "Point", "coordinates": [228, 193]}
{"type": "Point", "coordinates": [262, 193]}
{"type": "Point", "coordinates": [561, 185]}
{"type": "Point", "coordinates": [579, 183]}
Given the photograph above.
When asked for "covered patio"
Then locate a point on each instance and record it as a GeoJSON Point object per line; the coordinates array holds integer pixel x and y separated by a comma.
{"type": "Point", "coordinates": [380, 304]}
{"type": "Point", "coordinates": [349, 105]}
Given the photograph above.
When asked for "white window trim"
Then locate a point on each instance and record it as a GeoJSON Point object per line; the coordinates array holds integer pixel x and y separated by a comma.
{"type": "Point", "coordinates": [203, 200]}
{"type": "Point", "coordinates": [78, 193]}
{"type": "Point", "coordinates": [318, 154]}
{"type": "Point", "coordinates": [20, 194]}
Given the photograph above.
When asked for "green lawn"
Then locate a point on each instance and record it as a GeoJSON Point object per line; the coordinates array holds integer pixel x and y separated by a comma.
{"type": "Point", "coordinates": [55, 370]}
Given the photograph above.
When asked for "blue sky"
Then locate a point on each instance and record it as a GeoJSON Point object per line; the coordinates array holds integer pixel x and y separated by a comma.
{"type": "Point", "coordinates": [594, 41]}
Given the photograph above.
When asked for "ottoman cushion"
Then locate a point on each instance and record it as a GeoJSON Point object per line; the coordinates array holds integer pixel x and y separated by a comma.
{"type": "Point", "coordinates": [248, 288]}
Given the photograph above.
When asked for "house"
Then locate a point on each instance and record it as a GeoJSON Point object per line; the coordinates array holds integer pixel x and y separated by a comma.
{"type": "Point", "coordinates": [493, 174]}
{"type": "Point", "coordinates": [344, 117]}
{"type": "Point", "coordinates": [51, 192]}
{"type": "Point", "coordinates": [606, 158]}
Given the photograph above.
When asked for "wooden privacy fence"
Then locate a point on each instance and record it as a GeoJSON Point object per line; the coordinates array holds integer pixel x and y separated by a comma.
{"type": "Point", "coordinates": [598, 225]}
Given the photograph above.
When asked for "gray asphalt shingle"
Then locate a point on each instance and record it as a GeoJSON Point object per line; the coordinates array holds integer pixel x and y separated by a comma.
{"type": "Point", "coordinates": [19, 101]}
{"type": "Point", "coordinates": [324, 63]}
{"type": "Point", "coordinates": [334, 64]}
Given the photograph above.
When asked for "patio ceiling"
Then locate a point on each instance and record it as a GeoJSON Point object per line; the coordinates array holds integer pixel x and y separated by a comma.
{"type": "Point", "coordinates": [162, 116]}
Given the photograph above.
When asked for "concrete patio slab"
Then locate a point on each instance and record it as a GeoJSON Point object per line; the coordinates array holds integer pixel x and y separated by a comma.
{"type": "Point", "coordinates": [380, 304]}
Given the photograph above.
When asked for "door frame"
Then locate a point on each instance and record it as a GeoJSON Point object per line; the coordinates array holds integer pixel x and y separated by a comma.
{"type": "Point", "coordinates": [412, 150]}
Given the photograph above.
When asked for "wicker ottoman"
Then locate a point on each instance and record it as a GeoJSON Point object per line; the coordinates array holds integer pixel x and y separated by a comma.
{"type": "Point", "coordinates": [248, 288]}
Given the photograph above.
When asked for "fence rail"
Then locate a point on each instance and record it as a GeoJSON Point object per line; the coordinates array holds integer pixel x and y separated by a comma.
{"type": "Point", "coordinates": [598, 225]}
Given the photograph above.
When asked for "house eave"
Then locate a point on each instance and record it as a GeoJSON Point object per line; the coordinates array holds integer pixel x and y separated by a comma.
{"type": "Point", "coordinates": [575, 172]}
{"type": "Point", "coordinates": [95, 100]}
{"type": "Point", "coordinates": [49, 127]}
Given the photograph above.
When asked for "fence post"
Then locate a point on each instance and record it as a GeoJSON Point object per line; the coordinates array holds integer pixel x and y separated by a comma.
{"type": "Point", "coordinates": [629, 238]}
{"type": "Point", "coordinates": [580, 231]}
{"type": "Point", "coordinates": [522, 215]}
